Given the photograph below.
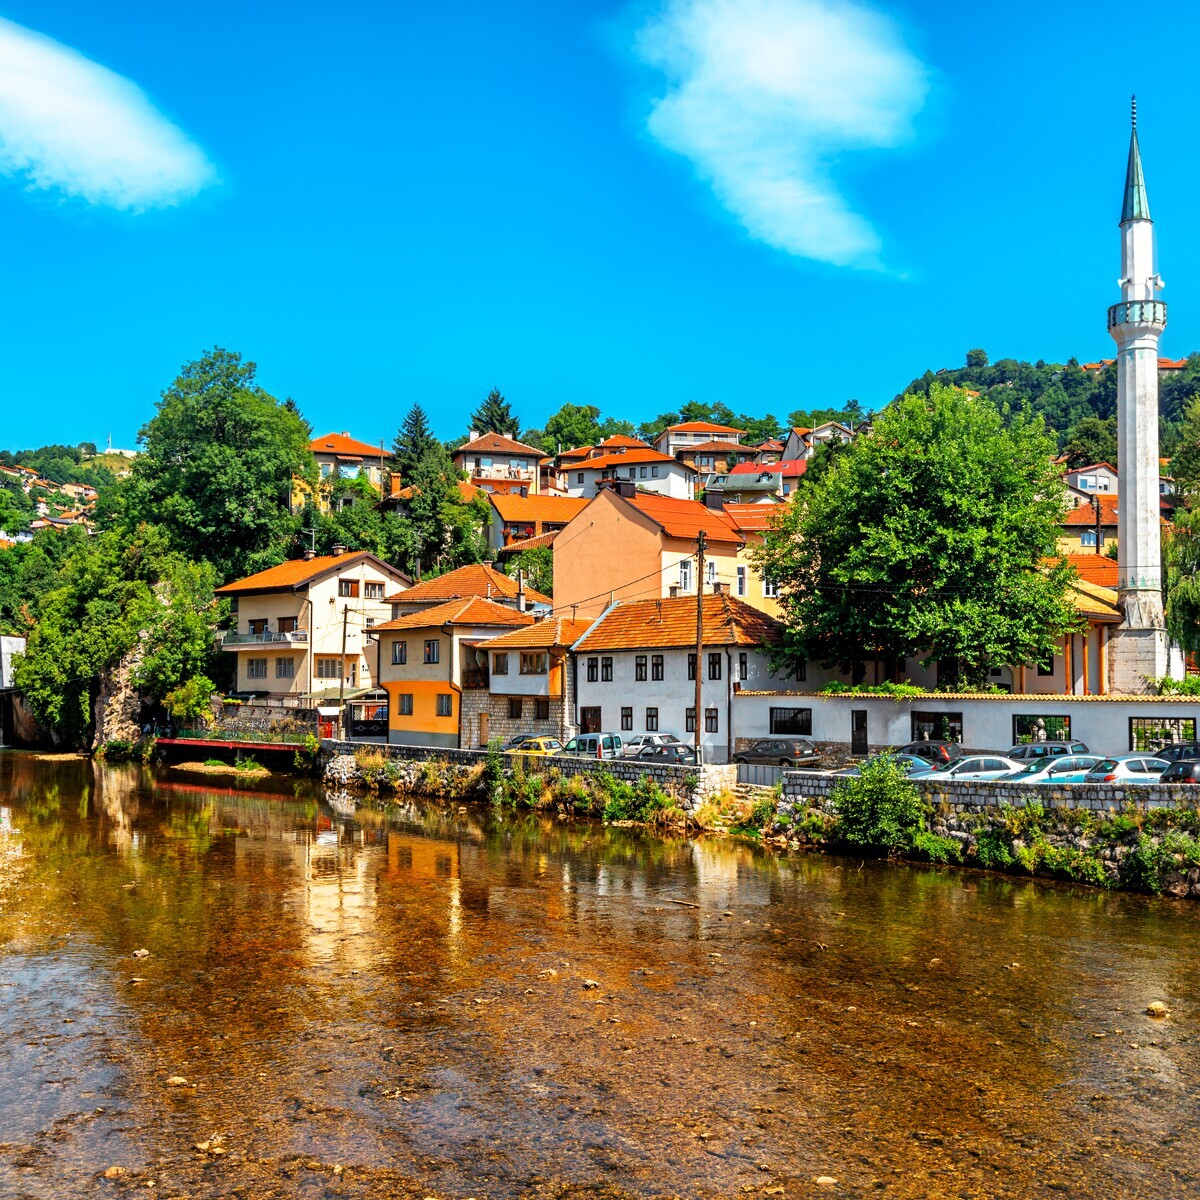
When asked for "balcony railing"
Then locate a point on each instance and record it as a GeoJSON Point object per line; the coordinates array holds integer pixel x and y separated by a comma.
{"type": "Point", "coordinates": [268, 637]}
{"type": "Point", "coordinates": [503, 472]}
{"type": "Point", "coordinates": [474, 680]}
{"type": "Point", "coordinates": [1138, 312]}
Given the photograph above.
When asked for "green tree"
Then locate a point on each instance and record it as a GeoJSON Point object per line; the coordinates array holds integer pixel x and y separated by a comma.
{"type": "Point", "coordinates": [573, 425]}
{"type": "Point", "coordinates": [495, 415]}
{"type": "Point", "coordinates": [414, 439]}
{"type": "Point", "coordinates": [217, 467]}
{"type": "Point", "coordinates": [615, 427]}
{"type": "Point", "coordinates": [927, 539]}
{"type": "Point", "coordinates": [977, 359]}
{"type": "Point", "coordinates": [538, 565]}
{"type": "Point", "coordinates": [1185, 463]}
{"type": "Point", "coordinates": [1092, 440]}
{"type": "Point", "coordinates": [1182, 560]}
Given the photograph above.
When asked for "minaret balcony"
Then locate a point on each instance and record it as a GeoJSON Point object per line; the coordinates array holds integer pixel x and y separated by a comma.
{"type": "Point", "coordinates": [1150, 315]}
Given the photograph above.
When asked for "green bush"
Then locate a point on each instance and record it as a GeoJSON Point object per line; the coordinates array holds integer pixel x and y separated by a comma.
{"type": "Point", "coordinates": [993, 849]}
{"type": "Point", "coordinates": [117, 750]}
{"type": "Point", "coordinates": [878, 809]}
{"type": "Point", "coordinates": [935, 848]}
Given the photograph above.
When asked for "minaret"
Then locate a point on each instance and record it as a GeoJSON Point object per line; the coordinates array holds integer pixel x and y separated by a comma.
{"type": "Point", "coordinates": [1139, 649]}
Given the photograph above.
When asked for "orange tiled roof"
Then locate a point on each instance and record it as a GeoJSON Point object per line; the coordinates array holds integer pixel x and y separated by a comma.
{"type": "Point", "coordinates": [685, 518]}
{"type": "Point", "coordinates": [300, 571]}
{"type": "Point", "coordinates": [753, 518]}
{"type": "Point", "coordinates": [513, 507]}
{"type": "Point", "coordinates": [701, 427]}
{"type": "Point", "coordinates": [497, 443]}
{"type": "Point", "coordinates": [1092, 467]}
{"type": "Point", "coordinates": [801, 430]}
{"type": "Point", "coordinates": [1164, 364]}
{"type": "Point", "coordinates": [343, 444]}
{"type": "Point", "coordinates": [770, 444]}
{"type": "Point", "coordinates": [648, 624]}
{"type": "Point", "coordinates": [715, 447]}
{"type": "Point", "coordinates": [530, 543]}
{"type": "Point", "coordinates": [578, 452]}
{"type": "Point", "coordinates": [555, 631]}
{"type": "Point", "coordinates": [469, 611]}
{"type": "Point", "coordinates": [628, 458]}
{"type": "Point", "coordinates": [466, 491]}
{"type": "Point", "coordinates": [1085, 513]}
{"type": "Point", "coordinates": [1092, 568]}
{"type": "Point", "coordinates": [619, 440]}
{"type": "Point", "coordinates": [475, 579]}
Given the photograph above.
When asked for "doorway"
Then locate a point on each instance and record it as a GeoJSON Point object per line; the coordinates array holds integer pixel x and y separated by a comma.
{"type": "Point", "coordinates": [858, 731]}
{"type": "Point", "coordinates": [483, 728]}
{"type": "Point", "coordinates": [589, 720]}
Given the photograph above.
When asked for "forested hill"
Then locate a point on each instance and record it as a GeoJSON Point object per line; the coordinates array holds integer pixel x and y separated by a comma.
{"type": "Point", "coordinates": [1079, 406]}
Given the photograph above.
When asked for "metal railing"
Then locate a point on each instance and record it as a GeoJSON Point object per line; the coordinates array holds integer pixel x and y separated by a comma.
{"type": "Point", "coordinates": [289, 737]}
{"type": "Point", "coordinates": [1138, 312]}
{"type": "Point", "coordinates": [267, 638]}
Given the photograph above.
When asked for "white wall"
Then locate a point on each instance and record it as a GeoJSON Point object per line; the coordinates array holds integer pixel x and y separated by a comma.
{"type": "Point", "coordinates": [673, 479]}
{"type": "Point", "coordinates": [8, 647]}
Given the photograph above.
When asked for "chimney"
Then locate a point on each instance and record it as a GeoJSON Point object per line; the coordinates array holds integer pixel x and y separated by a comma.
{"type": "Point", "coordinates": [309, 555]}
{"type": "Point", "coordinates": [339, 550]}
{"type": "Point", "coordinates": [472, 434]}
{"type": "Point", "coordinates": [521, 591]}
{"type": "Point", "coordinates": [626, 488]}
{"type": "Point", "coordinates": [673, 591]}
{"type": "Point", "coordinates": [721, 589]}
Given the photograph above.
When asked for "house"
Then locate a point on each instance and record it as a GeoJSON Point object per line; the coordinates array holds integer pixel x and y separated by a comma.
{"type": "Point", "coordinates": [427, 662]}
{"type": "Point", "coordinates": [778, 478]}
{"type": "Point", "coordinates": [339, 456]}
{"type": "Point", "coordinates": [802, 443]}
{"type": "Point", "coordinates": [1169, 365]}
{"type": "Point", "coordinates": [629, 545]}
{"type": "Point", "coordinates": [752, 521]}
{"type": "Point", "coordinates": [515, 517]}
{"type": "Point", "coordinates": [769, 451]}
{"type": "Point", "coordinates": [649, 469]}
{"type": "Point", "coordinates": [636, 668]}
{"type": "Point", "coordinates": [713, 458]}
{"type": "Point", "coordinates": [690, 433]}
{"type": "Point", "coordinates": [476, 580]}
{"type": "Point", "coordinates": [303, 628]}
{"type": "Point", "coordinates": [1099, 477]}
{"type": "Point", "coordinates": [530, 685]}
{"type": "Point", "coordinates": [1090, 525]}
{"type": "Point", "coordinates": [497, 463]}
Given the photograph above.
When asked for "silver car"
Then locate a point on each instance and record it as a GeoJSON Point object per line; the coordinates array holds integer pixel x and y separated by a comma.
{"type": "Point", "coordinates": [1127, 768]}
{"type": "Point", "coordinates": [973, 766]}
{"type": "Point", "coordinates": [1067, 768]}
{"type": "Point", "coordinates": [635, 745]}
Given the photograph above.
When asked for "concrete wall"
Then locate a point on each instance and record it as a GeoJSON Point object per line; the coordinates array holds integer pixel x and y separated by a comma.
{"type": "Point", "coordinates": [8, 647]}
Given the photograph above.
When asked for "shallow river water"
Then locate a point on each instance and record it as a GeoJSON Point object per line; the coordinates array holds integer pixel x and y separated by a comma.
{"type": "Point", "coordinates": [450, 1004]}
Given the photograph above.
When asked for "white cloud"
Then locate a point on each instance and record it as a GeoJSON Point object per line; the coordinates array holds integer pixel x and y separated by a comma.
{"type": "Point", "coordinates": [764, 94]}
{"type": "Point", "coordinates": [71, 125]}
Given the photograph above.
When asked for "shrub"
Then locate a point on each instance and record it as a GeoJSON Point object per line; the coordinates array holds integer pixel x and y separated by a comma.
{"type": "Point", "coordinates": [878, 809]}
{"type": "Point", "coordinates": [935, 848]}
{"type": "Point", "coordinates": [993, 849]}
{"type": "Point", "coordinates": [117, 750]}
{"type": "Point", "coordinates": [191, 701]}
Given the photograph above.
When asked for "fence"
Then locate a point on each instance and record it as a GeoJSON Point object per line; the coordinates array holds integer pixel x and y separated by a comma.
{"type": "Point", "coordinates": [268, 736]}
{"type": "Point", "coordinates": [758, 776]}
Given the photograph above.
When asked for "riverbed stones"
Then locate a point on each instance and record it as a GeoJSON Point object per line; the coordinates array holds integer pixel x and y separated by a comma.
{"type": "Point", "coordinates": [825, 1181]}
{"type": "Point", "coordinates": [177, 1081]}
{"type": "Point", "coordinates": [114, 1172]}
{"type": "Point", "coordinates": [1156, 1008]}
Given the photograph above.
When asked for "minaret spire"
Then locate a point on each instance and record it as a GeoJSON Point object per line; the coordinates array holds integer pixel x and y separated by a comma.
{"type": "Point", "coordinates": [1136, 206]}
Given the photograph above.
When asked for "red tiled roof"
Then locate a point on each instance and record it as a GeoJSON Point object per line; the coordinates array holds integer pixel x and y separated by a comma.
{"type": "Point", "coordinates": [770, 444]}
{"type": "Point", "coordinates": [792, 469]}
{"type": "Point", "coordinates": [800, 430]}
{"type": "Point", "coordinates": [300, 571]}
{"type": "Point", "coordinates": [476, 579]}
{"type": "Point", "coordinates": [648, 624]}
{"type": "Point", "coordinates": [496, 443]}
{"type": "Point", "coordinates": [1092, 568]}
{"type": "Point", "coordinates": [618, 440]}
{"type": "Point", "coordinates": [701, 427]}
{"type": "Point", "coordinates": [512, 507]}
{"type": "Point", "coordinates": [1093, 467]}
{"type": "Point", "coordinates": [628, 458]}
{"type": "Point", "coordinates": [554, 631]}
{"type": "Point", "coordinates": [1085, 513]}
{"type": "Point", "coordinates": [715, 447]}
{"type": "Point", "coordinates": [343, 444]}
{"type": "Point", "coordinates": [1164, 364]}
{"type": "Point", "coordinates": [469, 611]}
{"type": "Point", "coordinates": [753, 518]}
{"type": "Point", "coordinates": [530, 543]}
{"type": "Point", "coordinates": [684, 519]}
{"type": "Point", "coordinates": [578, 452]}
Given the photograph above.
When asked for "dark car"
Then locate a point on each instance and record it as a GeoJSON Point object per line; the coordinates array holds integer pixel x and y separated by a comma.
{"type": "Point", "coordinates": [780, 752]}
{"type": "Point", "coordinates": [1178, 750]}
{"type": "Point", "coordinates": [1028, 751]}
{"type": "Point", "coordinates": [672, 752]}
{"type": "Point", "coordinates": [1186, 770]}
{"type": "Point", "coordinates": [516, 739]}
{"type": "Point", "coordinates": [934, 752]}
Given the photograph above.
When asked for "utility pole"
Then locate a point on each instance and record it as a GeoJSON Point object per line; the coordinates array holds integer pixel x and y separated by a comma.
{"type": "Point", "coordinates": [699, 640]}
{"type": "Point", "coordinates": [342, 680]}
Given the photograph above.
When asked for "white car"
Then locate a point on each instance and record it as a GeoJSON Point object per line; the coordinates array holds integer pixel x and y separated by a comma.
{"type": "Point", "coordinates": [1127, 768]}
{"type": "Point", "coordinates": [639, 741]}
{"type": "Point", "coordinates": [972, 766]}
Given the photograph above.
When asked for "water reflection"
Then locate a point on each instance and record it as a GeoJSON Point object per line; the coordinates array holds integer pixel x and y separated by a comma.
{"type": "Point", "coordinates": [412, 1000]}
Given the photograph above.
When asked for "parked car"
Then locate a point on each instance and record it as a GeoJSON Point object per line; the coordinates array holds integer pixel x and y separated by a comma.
{"type": "Point", "coordinates": [537, 745]}
{"type": "Point", "coordinates": [780, 752]}
{"type": "Point", "coordinates": [907, 763]}
{"type": "Point", "coordinates": [1184, 770]}
{"type": "Point", "coordinates": [633, 746]}
{"type": "Point", "coordinates": [1177, 751]}
{"type": "Point", "coordinates": [1067, 768]}
{"type": "Point", "coordinates": [1127, 768]}
{"type": "Point", "coordinates": [974, 766]}
{"type": "Point", "coordinates": [932, 751]}
{"type": "Point", "coordinates": [516, 740]}
{"type": "Point", "coordinates": [1032, 750]}
{"type": "Point", "coordinates": [594, 745]}
{"type": "Point", "coordinates": [671, 753]}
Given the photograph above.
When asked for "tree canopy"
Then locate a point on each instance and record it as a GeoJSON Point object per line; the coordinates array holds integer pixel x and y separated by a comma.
{"type": "Point", "coordinates": [927, 540]}
{"type": "Point", "coordinates": [495, 415]}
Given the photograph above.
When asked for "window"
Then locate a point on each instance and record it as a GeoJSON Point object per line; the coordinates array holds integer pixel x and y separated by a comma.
{"type": "Point", "coordinates": [626, 719]}
{"type": "Point", "coordinates": [500, 663]}
{"type": "Point", "coordinates": [691, 666]}
{"type": "Point", "coordinates": [652, 720]}
{"type": "Point", "coordinates": [654, 471]}
{"type": "Point", "coordinates": [1028, 727]}
{"type": "Point", "coordinates": [579, 477]}
{"type": "Point", "coordinates": [590, 720]}
{"type": "Point", "coordinates": [348, 587]}
{"type": "Point", "coordinates": [770, 588]}
{"type": "Point", "coordinates": [406, 706]}
{"type": "Point", "coordinates": [258, 626]}
{"type": "Point", "coordinates": [791, 721]}
{"type": "Point", "coordinates": [1088, 538]}
{"type": "Point", "coordinates": [432, 650]}
{"type": "Point", "coordinates": [535, 662]}
{"type": "Point", "coordinates": [711, 720]}
{"type": "Point", "coordinates": [639, 668]}
{"type": "Point", "coordinates": [606, 670]}
{"type": "Point", "coordinates": [689, 721]}
{"type": "Point", "coordinates": [685, 575]}
{"type": "Point", "coordinates": [516, 708]}
{"type": "Point", "coordinates": [710, 571]}
{"type": "Point", "coordinates": [328, 668]}
{"type": "Point", "coordinates": [1046, 668]}
{"type": "Point", "coordinates": [372, 591]}
{"type": "Point", "coordinates": [369, 622]}
{"type": "Point", "coordinates": [256, 668]}
{"type": "Point", "coordinates": [714, 665]}
{"type": "Point", "coordinates": [287, 624]}
{"type": "Point", "coordinates": [399, 654]}
{"type": "Point", "coordinates": [743, 666]}
{"type": "Point", "coordinates": [741, 581]}
{"type": "Point", "coordinates": [593, 670]}
{"type": "Point", "coordinates": [326, 470]}
{"type": "Point", "coordinates": [802, 671]}
{"type": "Point", "coordinates": [541, 709]}
{"type": "Point", "coordinates": [643, 473]}
{"type": "Point", "coordinates": [937, 727]}
{"type": "Point", "coordinates": [445, 705]}
{"type": "Point", "coordinates": [656, 666]}
{"type": "Point", "coordinates": [285, 668]}
{"type": "Point", "coordinates": [1149, 733]}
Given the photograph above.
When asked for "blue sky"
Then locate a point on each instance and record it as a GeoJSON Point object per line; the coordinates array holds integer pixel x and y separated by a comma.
{"type": "Point", "coordinates": [774, 203]}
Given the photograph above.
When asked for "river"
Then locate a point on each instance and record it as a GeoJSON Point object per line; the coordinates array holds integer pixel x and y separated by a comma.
{"type": "Point", "coordinates": [450, 1003]}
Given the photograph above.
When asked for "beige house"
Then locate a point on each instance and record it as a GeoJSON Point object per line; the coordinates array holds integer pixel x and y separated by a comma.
{"type": "Point", "coordinates": [495, 463]}
{"type": "Point", "coordinates": [303, 628]}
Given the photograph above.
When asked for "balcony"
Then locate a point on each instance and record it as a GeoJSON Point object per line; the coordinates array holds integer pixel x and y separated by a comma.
{"type": "Point", "coordinates": [1151, 313]}
{"type": "Point", "coordinates": [232, 640]}
{"type": "Point", "coordinates": [524, 473]}
{"type": "Point", "coordinates": [474, 679]}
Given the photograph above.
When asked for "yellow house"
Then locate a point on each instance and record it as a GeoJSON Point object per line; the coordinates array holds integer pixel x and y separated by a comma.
{"type": "Point", "coordinates": [427, 659]}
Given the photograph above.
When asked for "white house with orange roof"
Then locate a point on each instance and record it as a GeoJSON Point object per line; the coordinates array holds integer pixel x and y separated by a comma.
{"type": "Point", "coordinates": [475, 580]}
{"type": "Point", "coordinates": [303, 628]}
{"type": "Point", "coordinates": [1097, 478]}
{"type": "Point", "coordinates": [495, 463]}
{"type": "Point", "coordinates": [691, 433]}
{"type": "Point", "coordinates": [645, 468]}
{"type": "Point", "coordinates": [802, 443]}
